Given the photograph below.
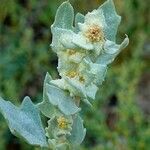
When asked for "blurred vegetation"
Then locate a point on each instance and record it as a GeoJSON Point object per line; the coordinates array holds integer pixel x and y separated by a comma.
{"type": "Point", "coordinates": [120, 118]}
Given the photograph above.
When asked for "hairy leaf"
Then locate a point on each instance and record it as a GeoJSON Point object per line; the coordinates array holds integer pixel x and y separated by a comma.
{"type": "Point", "coordinates": [78, 131]}
{"type": "Point", "coordinates": [45, 106]}
{"type": "Point", "coordinates": [64, 16]}
{"type": "Point", "coordinates": [61, 99]}
{"type": "Point", "coordinates": [111, 18]}
{"type": "Point", "coordinates": [79, 18]}
{"type": "Point", "coordinates": [111, 50]}
{"type": "Point", "coordinates": [24, 121]}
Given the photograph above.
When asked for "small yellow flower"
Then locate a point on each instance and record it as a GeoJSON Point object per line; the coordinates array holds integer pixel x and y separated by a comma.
{"type": "Point", "coordinates": [81, 79]}
{"type": "Point", "coordinates": [72, 74]}
{"type": "Point", "coordinates": [94, 34]}
{"type": "Point", "coordinates": [71, 52]}
{"type": "Point", "coordinates": [62, 122]}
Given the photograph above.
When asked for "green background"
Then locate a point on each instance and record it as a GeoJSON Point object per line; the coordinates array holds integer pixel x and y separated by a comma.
{"type": "Point", "coordinates": [120, 118]}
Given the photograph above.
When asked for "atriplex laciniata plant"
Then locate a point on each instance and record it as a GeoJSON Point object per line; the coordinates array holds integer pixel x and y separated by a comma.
{"type": "Point", "coordinates": [83, 51]}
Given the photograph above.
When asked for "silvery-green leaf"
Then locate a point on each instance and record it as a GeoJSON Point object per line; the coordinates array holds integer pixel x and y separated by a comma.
{"type": "Point", "coordinates": [61, 99]}
{"type": "Point", "coordinates": [98, 47]}
{"type": "Point", "coordinates": [64, 16]}
{"type": "Point", "coordinates": [66, 38]}
{"type": "Point", "coordinates": [78, 131]}
{"type": "Point", "coordinates": [85, 72]}
{"type": "Point", "coordinates": [79, 18]}
{"type": "Point", "coordinates": [80, 41]}
{"type": "Point", "coordinates": [24, 121]}
{"type": "Point", "coordinates": [112, 20]}
{"type": "Point", "coordinates": [99, 72]}
{"type": "Point", "coordinates": [62, 39]}
{"type": "Point", "coordinates": [93, 72]}
{"type": "Point", "coordinates": [111, 50]}
{"type": "Point", "coordinates": [45, 106]}
{"type": "Point", "coordinates": [90, 73]}
{"type": "Point", "coordinates": [52, 128]}
{"type": "Point", "coordinates": [59, 83]}
{"type": "Point", "coordinates": [71, 86]}
{"type": "Point", "coordinates": [111, 47]}
{"type": "Point", "coordinates": [77, 89]}
{"type": "Point", "coordinates": [91, 91]}
{"type": "Point", "coordinates": [56, 44]}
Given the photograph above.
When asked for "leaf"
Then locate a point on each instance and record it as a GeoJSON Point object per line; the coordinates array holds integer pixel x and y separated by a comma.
{"type": "Point", "coordinates": [80, 41]}
{"type": "Point", "coordinates": [66, 38]}
{"type": "Point", "coordinates": [111, 50]}
{"type": "Point", "coordinates": [79, 18]}
{"type": "Point", "coordinates": [62, 99]}
{"type": "Point", "coordinates": [97, 72]}
{"type": "Point", "coordinates": [78, 131]}
{"type": "Point", "coordinates": [112, 19]}
{"type": "Point", "coordinates": [45, 106]}
{"type": "Point", "coordinates": [25, 121]}
{"type": "Point", "coordinates": [91, 91]}
{"type": "Point", "coordinates": [75, 87]}
{"type": "Point", "coordinates": [62, 39]}
{"type": "Point", "coordinates": [64, 16]}
{"type": "Point", "coordinates": [56, 45]}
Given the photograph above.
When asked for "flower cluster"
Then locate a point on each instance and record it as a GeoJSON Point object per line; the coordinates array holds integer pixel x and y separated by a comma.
{"type": "Point", "coordinates": [83, 51]}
